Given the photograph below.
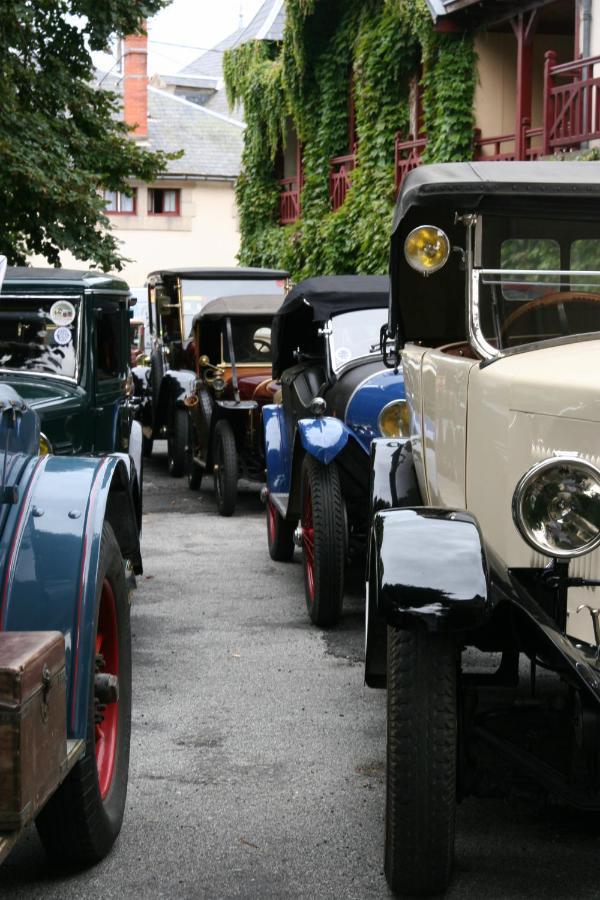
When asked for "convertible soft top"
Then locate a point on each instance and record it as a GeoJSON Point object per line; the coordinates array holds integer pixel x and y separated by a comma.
{"type": "Point", "coordinates": [240, 305]}
{"type": "Point", "coordinates": [316, 300]}
{"type": "Point", "coordinates": [465, 185]}
{"type": "Point", "coordinates": [231, 273]}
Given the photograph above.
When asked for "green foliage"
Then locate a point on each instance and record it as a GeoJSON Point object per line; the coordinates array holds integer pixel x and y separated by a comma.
{"type": "Point", "coordinates": [60, 139]}
{"type": "Point", "coordinates": [380, 45]}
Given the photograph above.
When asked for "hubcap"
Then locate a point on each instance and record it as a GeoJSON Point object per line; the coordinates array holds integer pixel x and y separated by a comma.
{"type": "Point", "coordinates": [106, 689]}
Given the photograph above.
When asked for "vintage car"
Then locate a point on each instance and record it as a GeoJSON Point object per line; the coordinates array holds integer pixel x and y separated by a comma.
{"type": "Point", "coordinates": [137, 341]}
{"type": "Point", "coordinates": [327, 354]}
{"type": "Point", "coordinates": [67, 529]}
{"type": "Point", "coordinates": [219, 418]}
{"type": "Point", "coordinates": [175, 296]}
{"type": "Point", "coordinates": [65, 348]}
{"type": "Point", "coordinates": [486, 521]}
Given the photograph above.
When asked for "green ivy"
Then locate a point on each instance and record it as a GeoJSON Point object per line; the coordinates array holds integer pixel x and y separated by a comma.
{"type": "Point", "coordinates": [305, 79]}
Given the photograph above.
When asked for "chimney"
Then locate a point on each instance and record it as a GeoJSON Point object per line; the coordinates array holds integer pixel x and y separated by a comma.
{"type": "Point", "coordinates": [135, 83]}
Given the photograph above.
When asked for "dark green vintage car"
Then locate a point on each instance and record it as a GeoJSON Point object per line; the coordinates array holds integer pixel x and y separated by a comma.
{"type": "Point", "coordinates": [64, 347]}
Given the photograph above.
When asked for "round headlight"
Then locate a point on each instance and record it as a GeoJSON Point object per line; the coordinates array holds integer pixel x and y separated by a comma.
{"type": "Point", "coordinates": [45, 446]}
{"type": "Point", "coordinates": [394, 419]}
{"type": "Point", "coordinates": [556, 507]}
{"type": "Point", "coordinates": [427, 249]}
{"type": "Point", "coordinates": [218, 384]}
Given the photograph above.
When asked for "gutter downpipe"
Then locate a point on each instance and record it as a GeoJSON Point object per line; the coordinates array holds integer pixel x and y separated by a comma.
{"type": "Point", "coordinates": [586, 43]}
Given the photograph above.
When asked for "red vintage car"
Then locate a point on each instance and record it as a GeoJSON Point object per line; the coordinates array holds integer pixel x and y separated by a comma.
{"type": "Point", "coordinates": [231, 341]}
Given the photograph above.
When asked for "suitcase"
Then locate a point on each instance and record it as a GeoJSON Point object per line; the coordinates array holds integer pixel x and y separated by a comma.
{"type": "Point", "coordinates": [33, 729]}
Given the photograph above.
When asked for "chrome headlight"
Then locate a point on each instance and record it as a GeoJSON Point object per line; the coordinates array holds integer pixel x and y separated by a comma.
{"type": "Point", "coordinates": [219, 385]}
{"type": "Point", "coordinates": [427, 249]}
{"type": "Point", "coordinates": [45, 446]}
{"type": "Point", "coordinates": [394, 419]}
{"type": "Point", "coordinates": [556, 507]}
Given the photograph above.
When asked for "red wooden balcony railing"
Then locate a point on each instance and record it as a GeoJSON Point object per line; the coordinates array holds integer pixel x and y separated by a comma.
{"type": "Point", "coordinates": [571, 103]}
{"type": "Point", "coordinates": [289, 200]}
{"type": "Point", "coordinates": [340, 178]}
{"type": "Point", "coordinates": [408, 156]}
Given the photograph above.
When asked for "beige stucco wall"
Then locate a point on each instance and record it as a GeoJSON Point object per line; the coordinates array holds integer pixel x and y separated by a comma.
{"type": "Point", "coordinates": [205, 234]}
{"type": "Point", "coordinates": [595, 29]}
{"type": "Point", "coordinates": [495, 94]}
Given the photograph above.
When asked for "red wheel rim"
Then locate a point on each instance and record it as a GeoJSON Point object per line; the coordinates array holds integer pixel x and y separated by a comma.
{"type": "Point", "coordinates": [308, 540]}
{"type": "Point", "coordinates": [107, 660]}
{"type": "Point", "coordinates": [271, 521]}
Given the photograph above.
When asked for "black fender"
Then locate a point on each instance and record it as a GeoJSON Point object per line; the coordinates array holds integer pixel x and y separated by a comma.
{"type": "Point", "coordinates": [393, 484]}
{"type": "Point", "coordinates": [174, 387]}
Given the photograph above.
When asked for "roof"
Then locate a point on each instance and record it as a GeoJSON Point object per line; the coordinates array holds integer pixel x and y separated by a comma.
{"type": "Point", "coordinates": [481, 11]}
{"type": "Point", "coordinates": [231, 273]}
{"type": "Point", "coordinates": [52, 277]}
{"type": "Point", "coordinates": [467, 184]}
{"type": "Point", "coordinates": [316, 300]}
{"type": "Point", "coordinates": [267, 24]}
{"type": "Point", "coordinates": [211, 61]}
{"type": "Point", "coordinates": [241, 305]}
{"type": "Point", "coordinates": [212, 142]}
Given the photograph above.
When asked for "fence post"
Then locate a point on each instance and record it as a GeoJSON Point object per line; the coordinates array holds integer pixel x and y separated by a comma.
{"type": "Point", "coordinates": [549, 62]}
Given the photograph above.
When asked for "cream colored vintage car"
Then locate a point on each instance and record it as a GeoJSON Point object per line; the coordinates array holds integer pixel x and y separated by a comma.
{"type": "Point", "coordinates": [486, 529]}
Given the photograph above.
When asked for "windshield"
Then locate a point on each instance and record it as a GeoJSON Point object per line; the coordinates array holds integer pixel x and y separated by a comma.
{"type": "Point", "coordinates": [251, 340]}
{"type": "Point", "coordinates": [196, 293]}
{"type": "Point", "coordinates": [540, 281]}
{"type": "Point", "coordinates": [39, 335]}
{"type": "Point", "coordinates": [354, 335]}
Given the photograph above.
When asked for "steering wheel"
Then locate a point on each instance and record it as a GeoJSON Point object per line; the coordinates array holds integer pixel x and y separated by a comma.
{"type": "Point", "coordinates": [261, 345]}
{"type": "Point", "coordinates": [554, 299]}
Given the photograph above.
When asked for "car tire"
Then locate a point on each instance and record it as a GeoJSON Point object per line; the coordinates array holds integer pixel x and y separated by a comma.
{"type": "Point", "coordinates": [421, 761]}
{"type": "Point", "coordinates": [178, 443]}
{"type": "Point", "coordinates": [193, 471]}
{"type": "Point", "coordinates": [225, 458]}
{"type": "Point", "coordinates": [147, 446]}
{"type": "Point", "coordinates": [83, 818]}
{"type": "Point", "coordinates": [280, 535]}
{"type": "Point", "coordinates": [323, 541]}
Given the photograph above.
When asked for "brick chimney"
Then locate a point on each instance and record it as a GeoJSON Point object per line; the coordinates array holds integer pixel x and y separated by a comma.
{"type": "Point", "coordinates": [135, 83]}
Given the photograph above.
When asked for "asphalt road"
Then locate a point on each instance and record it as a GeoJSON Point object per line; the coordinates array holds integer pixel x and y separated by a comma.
{"type": "Point", "coordinates": [258, 755]}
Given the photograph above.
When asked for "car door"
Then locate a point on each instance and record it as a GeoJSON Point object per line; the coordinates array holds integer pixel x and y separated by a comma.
{"type": "Point", "coordinates": [110, 346]}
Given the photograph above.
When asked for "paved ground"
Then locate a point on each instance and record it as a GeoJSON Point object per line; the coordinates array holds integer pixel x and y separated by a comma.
{"type": "Point", "coordinates": [257, 757]}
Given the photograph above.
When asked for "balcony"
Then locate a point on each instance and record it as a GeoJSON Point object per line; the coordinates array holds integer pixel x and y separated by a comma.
{"type": "Point", "coordinates": [408, 156]}
{"type": "Point", "coordinates": [571, 103]}
{"type": "Point", "coordinates": [340, 178]}
{"type": "Point", "coordinates": [289, 201]}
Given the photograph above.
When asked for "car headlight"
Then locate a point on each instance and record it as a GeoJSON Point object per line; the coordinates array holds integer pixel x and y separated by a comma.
{"type": "Point", "coordinates": [394, 419]}
{"type": "Point", "coordinates": [427, 249]}
{"type": "Point", "coordinates": [45, 446]}
{"type": "Point", "coordinates": [219, 385]}
{"type": "Point", "coordinates": [556, 507]}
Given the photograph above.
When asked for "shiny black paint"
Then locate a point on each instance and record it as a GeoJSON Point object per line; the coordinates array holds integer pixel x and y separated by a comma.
{"type": "Point", "coordinates": [338, 392]}
{"type": "Point", "coordinates": [430, 569]}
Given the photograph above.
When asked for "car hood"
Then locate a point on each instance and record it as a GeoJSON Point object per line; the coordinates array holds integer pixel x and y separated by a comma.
{"type": "Point", "coordinates": [554, 381]}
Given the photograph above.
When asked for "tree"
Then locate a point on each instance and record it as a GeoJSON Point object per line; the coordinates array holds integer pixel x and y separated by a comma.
{"type": "Point", "coordinates": [61, 139]}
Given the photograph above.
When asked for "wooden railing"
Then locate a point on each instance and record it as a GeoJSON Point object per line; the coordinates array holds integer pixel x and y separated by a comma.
{"type": "Point", "coordinates": [504, 146]}
{"type": "Point", "coordinates": [571, 103]}
{"type": "Point", "coordinates": [289, 201]}
{"type": "Point", "coordinates": [408, 156]}
{"type": "Point", "coordinates": [340, 178]}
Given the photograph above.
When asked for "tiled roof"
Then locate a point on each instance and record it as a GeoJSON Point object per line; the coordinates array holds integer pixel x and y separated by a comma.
{"type": "Point", "coordinates": [211, 61]}
{"type": "Point", "coordinates": [267, 24]}
{"type": "Point", "coordinates": [211, 141]}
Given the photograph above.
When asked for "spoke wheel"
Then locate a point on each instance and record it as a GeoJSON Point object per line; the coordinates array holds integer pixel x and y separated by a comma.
{"type": "Point", "coordinates": [225, 459]}
{"type": "Point", "coordinates": [106, 715]}
{"type": "Point", "coordinates": [421, 761]}
{"type": "Point", "coordinates": [280, 535]}
{"type": "Point", "coordinates": [323, 525]}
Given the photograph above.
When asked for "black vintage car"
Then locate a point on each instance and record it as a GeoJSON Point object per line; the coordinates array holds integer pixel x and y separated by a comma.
{"type": "Point", "coordinates": [231, 337]}
{"type": "Point", "coordinates": [175, 296]}
{"type": "Point", "coordinates": [484, 566]}
{"type": "Point", "coordinates": [336, 396]}
{"type": "Point", "coordinates": [65, 348]}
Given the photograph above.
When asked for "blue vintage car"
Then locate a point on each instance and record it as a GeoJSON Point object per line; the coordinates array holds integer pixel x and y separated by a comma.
{"type": "Point", "coordinates": [337, 394]}
{"type": "Point", "coordinates": [68, 537]}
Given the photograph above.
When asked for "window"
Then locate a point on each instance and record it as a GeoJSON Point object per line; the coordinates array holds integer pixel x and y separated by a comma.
{"type": "Point", "coordinates": [118, 203]}
{"type": "Point", "coordinates": [163, 201]}
{"type": "Point", "coordinates": [109, 362]}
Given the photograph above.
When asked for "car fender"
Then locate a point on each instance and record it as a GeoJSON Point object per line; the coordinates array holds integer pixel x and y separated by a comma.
{"type": "Point", "coordinates": [50, 549]}
{"type": "Point", "coordinates": [277, 449]}
{"type": "Point", "coordinates": [324, 437]}
{"type": "Point", "coordinates": [428, 568]}
{"type": "Point", "coordinates": [175, 385]}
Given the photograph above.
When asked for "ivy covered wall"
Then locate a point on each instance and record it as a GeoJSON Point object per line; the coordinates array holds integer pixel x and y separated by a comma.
{"type": "Point", "coordinates": [381, 44]}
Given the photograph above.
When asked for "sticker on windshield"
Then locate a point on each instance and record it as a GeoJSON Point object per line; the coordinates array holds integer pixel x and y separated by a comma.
{"type": "Point", "coordinates": [62, 313]}
{"type": "Point", "coordinates": [343, 355]}
{"type": "Point", "coordinates": [62, 336]}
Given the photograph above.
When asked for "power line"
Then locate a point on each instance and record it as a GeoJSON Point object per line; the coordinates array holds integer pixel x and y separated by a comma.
{"type": "Point", "coordinates": [186, 46]}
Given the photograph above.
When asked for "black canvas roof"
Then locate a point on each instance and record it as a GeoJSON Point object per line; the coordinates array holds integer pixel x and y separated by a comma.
{"type": "Point", "coordinates": [54, 278]}
{"type": "Point", "coordinates": [467, 184]}
{"type": "Point", "coordinates": [316, 300]}
{"type": "Point", "coordinates": [232, 273]}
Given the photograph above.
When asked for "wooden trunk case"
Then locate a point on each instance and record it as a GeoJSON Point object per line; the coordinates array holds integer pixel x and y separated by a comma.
{"type": "Point", "coordinates": [33, 732]}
